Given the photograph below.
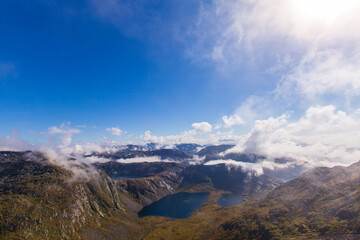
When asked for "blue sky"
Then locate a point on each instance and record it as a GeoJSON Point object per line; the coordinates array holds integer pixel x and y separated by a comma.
{"type": "Point", "coordinates": [261, 74]}
{"type": "Point", "coordinates": [69, 64]}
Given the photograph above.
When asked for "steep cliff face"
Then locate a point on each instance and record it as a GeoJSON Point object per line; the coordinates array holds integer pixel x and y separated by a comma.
{"type": "Point", "coordinates": [42, 201]}
{"type": "Point", "coordinates": [150, 189]}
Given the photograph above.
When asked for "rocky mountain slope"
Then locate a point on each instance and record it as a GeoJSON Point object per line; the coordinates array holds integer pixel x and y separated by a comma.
{"type": "Point", "coordinates": [39, 200]}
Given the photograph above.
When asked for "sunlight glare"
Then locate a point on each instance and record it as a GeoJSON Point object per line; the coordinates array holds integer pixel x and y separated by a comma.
{"type": "Point", "coordinates": [325, 12]}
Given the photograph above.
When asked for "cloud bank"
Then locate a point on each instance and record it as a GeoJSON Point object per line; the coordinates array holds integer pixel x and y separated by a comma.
{"type": "Point", "coordinates": [143, 159]}
{"type": "Point", "coordinates": [185, 137]}
{"type": "Point", "coordinates": [14, 143]}
{"type": "Point", "coordinates": [323, 137]}
{"type": "Point", "coordinates": [245, 166]}
{"type": "Point", "coordinates": [323, 72]}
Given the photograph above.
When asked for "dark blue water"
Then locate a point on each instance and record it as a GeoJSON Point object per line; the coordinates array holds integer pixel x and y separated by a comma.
{"type": "Point", "coordinates": [180, 205]}
{"type": "Point", "coordinates": [227, 200]}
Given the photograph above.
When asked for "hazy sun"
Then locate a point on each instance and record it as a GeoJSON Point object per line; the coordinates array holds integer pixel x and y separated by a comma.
{"type": "Point", "coordinates": [322, 11]}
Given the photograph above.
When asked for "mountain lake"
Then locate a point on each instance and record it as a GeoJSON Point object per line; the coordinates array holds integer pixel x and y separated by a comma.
{"type": "Point", "coordinates": [179, 205]}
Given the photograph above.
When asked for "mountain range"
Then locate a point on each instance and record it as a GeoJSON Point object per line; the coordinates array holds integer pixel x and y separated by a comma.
{"type": "Point", "coordinates": [45, 199]}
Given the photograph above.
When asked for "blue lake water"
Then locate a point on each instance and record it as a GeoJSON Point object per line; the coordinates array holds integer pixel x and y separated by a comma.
{"type": "Point", "coordinates": [180, 205]}
{"type": "Point", "coordinates": [227, 200]}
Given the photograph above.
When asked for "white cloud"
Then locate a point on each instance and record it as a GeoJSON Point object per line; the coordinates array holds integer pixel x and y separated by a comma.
{"type": "Point", "coordinates": [220, 137]}
{"type": "Point", "coordinates": [202, 127]}
{"type": "Point", "coordinates": [324, 72]}
{"type": "Point", "coordinates": [94, 159]}
{"type": "Point", "coordinates": [78, 167]}
{"type": "Point", "coordinates": [143, 159]}
{"type": "Point", "coordinates": [323, 137]}
{"type": "Point", "coordinates": [196, 159]}
{"type": "Point", "coordinates": [245, 166]}
{"type": "Point", "coordinates": [232, 120]}
{"type": "Point", "coordinates": [315, 44]}
{"type": "Point", "coordinates": [116, 131]}
{"type": "Point", "coordinates": [186, 137]}
{"type": "Point", "coordinates": [56, 154]}
{"type": "Point", "coordinates": [65, 133]}
{"type": "Point", "coordinates": [252, 108]}
{"type": "Point", "coordinates": [227, 29]}
{"type": "Point", "coordinates": [200, 134]}
{"type": "Point", "coordinates": [85, 148]}
{"type": "Point", "coordinates": [147, 137]}
{"type": "Point", "coordinates": [14, 143]}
